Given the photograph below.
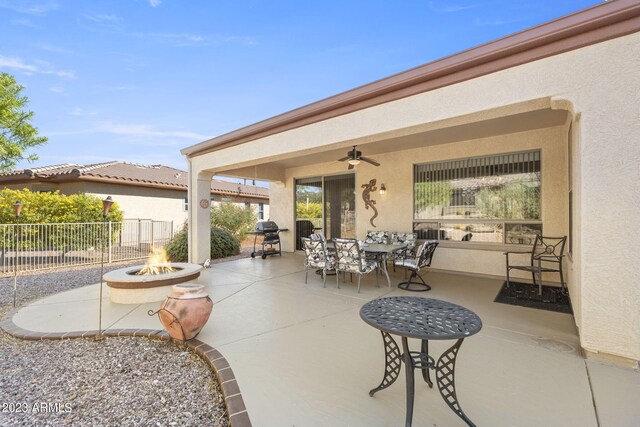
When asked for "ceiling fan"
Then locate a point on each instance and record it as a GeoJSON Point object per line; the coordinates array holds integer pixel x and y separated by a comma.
{"type": "Point", "coordinates": [355, 157]}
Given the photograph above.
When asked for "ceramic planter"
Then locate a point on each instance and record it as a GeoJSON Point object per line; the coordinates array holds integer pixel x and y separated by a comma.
{"type": "Point", "coordinates": [185, 312]}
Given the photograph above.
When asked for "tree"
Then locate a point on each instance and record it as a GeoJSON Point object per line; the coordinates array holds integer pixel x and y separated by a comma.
{"type": "Point", "coordinates": [16, 132]}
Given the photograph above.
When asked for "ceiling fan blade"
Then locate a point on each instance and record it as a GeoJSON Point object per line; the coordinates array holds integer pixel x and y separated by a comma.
{"type": "Point", "coordinates": [344, 159]}
{"type": "Point", "coordinates": [350, 166]}
{"type": "Point", "coordinates": [371, 161]}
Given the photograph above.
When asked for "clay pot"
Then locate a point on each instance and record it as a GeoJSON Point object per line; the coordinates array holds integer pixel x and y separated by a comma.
{"type": "Point", "coordinates": [185, 312]}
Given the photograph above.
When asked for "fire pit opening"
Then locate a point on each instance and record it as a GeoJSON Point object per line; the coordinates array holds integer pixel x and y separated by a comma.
{"type": "Point", "coordinates": [150, 282]}
{"type": "Point", "coordinates": [158, 263]}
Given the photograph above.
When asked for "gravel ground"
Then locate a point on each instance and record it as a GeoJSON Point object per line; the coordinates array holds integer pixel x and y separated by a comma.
{"type": "Point", "coordinates": [111, 382]}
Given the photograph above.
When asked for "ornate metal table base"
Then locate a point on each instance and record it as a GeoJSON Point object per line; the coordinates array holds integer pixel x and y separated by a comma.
{"type": "Point", "coordinates": [444, 370]}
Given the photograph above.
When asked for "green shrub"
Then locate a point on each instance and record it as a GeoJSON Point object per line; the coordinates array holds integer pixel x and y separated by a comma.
{"type": "Point", "coordinates": [178, 249]}
{"type": "Point", "coordinates": [233, 218]}
{"type": "Point", "coordinates": [223, 244]}
{"type": "Point", "coordinates": [70, 214]}
{"type": "Point", "coordinates": [48, 208]}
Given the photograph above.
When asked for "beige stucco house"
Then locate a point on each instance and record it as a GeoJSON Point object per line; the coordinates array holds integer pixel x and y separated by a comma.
{"type": "Point", "coordinates": [559, 103]}
{"type": "Point", "coordinates": [153, 192]}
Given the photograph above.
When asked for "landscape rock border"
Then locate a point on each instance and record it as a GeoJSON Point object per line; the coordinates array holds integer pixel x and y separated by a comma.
{"type": "Point", "coordinates": [233, 400]}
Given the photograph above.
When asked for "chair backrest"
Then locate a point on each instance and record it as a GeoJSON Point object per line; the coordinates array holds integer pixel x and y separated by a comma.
{"type": "Point", "coordinates": [314, 250]}
{"type": "Point", "coordinates": [425, 253]}
{"type": "Point", "coordinates": [318, 236]}
{"type": "Point", "coordinates": [467, 237]}
{"type": "Point", "coordinates": [377, 237]}
{"type": "Point", "coordinates": [548, 248]}
{"type": "Point", "coordinates": [349, 256]}
{"type": "Point", "coordinates": [408, 239]}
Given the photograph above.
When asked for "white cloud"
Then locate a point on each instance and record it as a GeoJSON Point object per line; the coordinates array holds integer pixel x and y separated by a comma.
{"type": "Point", "coordinates": [52, 48]}
{"type": "Point", "coordinates": [41, 67]}
{"type": "Point", "coordinates": [187, 39]}
{"type": "Point", "coordinates": [481, 22]}
{"type": "Point", "coordinates": [56, 89]}
{"type": "Point", "coordinates": [143, 131]}
{"type": "Point", "coordinates": [101, 17]}
{"type": "Point", "coordinates": [29, 7]}
{"type": "Point", "coordinates": [452, 8]}
{"type": "Point", "coordinates": [101, 22]}
{"type": "Point", "coordinates": [82, 112]}
{"type": "Point", "coordinates": [16, 63]}
{"type": "Point", "coordinates": [24, 22]}
{"type": "Point", "coordinates": [155, 3]}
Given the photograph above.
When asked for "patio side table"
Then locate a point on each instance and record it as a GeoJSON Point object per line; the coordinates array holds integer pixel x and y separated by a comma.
{"type": "Point", "coordinates": [425, 319]}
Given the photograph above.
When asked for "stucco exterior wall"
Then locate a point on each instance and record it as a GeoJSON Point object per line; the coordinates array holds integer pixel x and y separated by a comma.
{"type": "Point", "coordinates": [395, 207]}
{"type": "Point", "coordinates": [601, 83]}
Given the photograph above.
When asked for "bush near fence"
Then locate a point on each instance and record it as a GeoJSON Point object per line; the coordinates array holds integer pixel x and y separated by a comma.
{"type": "Point", "coordinates": [49, 208]}
{"type": "Point", "coordinates": [57, 211]}
{"type": "Point", "coordinates": [223, 244]}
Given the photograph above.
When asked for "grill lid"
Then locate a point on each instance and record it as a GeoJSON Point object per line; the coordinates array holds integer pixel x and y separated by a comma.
{"type": "Point", "coordinates": [266, 226]}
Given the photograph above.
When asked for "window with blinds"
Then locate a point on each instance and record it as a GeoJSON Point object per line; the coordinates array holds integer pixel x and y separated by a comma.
{"type": "Point", "coordinates": [491, 199]}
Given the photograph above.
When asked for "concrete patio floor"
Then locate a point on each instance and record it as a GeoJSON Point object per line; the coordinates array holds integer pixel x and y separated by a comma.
{"type": "Point", "coordinates": [303, 357]}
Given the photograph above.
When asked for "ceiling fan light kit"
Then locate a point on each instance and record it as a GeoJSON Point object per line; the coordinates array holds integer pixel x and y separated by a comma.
{"type": "Point", "coordinates": [354, 157]}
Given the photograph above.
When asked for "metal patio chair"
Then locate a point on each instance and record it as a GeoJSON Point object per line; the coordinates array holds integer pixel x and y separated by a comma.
{"type": "Point", "coordinates": [422, 259]}
{"type": "Point", "coordinates": [546, 257]}
{"type": "Point", "coordinates": [318, 258]}
{"type": "Point", "coordinates": [350, 258]}
{"type": "Point", "coordinates": [408, 239]}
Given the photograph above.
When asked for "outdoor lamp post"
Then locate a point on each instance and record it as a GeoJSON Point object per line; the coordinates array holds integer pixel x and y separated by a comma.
{"type": "Point", "coordinates": [17, 206]}
{"type": "Point", "coordinates": [106, 205]}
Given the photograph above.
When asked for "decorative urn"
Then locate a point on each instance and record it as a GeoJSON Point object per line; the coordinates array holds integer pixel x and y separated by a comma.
{"type": "Point", "coordinates": [185, 311]}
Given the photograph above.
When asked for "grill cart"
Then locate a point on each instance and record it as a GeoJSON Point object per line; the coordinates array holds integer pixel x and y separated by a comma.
{"type": "Point", "coordinates": [271, 233]}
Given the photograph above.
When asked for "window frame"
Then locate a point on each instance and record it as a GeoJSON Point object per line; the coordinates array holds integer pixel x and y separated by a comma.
{"type": "Point", "coordinates": [504, 222]}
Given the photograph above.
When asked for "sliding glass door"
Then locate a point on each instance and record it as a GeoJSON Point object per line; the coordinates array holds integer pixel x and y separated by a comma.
{"type": "Point", "coordinates": [327, 205]}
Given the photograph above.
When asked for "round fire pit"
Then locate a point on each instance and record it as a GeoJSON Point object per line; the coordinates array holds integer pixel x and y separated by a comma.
{"type": "Point", "coordinates": [126, 287]}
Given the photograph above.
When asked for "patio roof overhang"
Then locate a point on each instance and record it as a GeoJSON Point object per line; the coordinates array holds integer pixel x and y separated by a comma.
{"type": "Point", "coordinates": [526, 116]}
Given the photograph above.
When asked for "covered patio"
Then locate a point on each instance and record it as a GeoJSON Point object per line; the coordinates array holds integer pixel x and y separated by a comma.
{"type": "Point", "coordinates": [302, 356]}
{"type": "Point", "coordinates": [539, 107]}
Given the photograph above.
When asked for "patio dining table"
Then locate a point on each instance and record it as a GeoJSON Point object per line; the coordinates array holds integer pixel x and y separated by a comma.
{"type": "Point", "coordinates": [381, 253]}
{"type": "Point", "coordinates": [424, 319]}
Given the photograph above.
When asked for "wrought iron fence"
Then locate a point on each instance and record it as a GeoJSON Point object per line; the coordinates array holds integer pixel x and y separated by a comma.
{"type": "Point", "coordinates": [31, 247]}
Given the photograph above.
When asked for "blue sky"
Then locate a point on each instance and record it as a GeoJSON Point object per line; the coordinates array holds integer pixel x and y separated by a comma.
{"type": "Point", "coordinates": [139, 80]}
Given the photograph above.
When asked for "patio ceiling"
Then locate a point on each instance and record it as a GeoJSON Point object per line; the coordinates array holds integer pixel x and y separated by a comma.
{"type": "Point", "coordinates": [436, 133]}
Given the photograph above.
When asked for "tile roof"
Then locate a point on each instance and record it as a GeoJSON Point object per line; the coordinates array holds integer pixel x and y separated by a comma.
{"type": "Point", "coordinates": [128, 174]}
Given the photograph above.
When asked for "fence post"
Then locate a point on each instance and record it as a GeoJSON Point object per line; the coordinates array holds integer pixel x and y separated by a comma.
{"type": "Point", "coordinates": [110, 245]}
{"type": "Point", "coordinates": [139, 235]}
{"type": "Point", "coordinates": [153, 241]}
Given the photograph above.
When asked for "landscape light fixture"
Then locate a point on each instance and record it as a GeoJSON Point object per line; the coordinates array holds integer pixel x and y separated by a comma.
{"type": "Point", "coordinates": [383, 189]}
{"type": "Point", "coordinates": [17, 206]}
{"type": "Point", "coordinates": [106, 205]}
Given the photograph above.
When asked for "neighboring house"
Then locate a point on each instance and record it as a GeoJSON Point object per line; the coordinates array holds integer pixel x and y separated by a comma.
{"type": "Point", "coordinates": [558, 103]}
{"type": "Point", "coordinates": [154, 192]}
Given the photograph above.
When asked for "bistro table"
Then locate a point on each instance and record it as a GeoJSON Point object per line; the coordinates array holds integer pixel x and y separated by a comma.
{"type": "Point", "coordinates": [381, 251]}
{"type": "Point", "coordinates": [425, 319]}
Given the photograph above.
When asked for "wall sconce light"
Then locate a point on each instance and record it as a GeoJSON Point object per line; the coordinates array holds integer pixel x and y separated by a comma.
{"type": "Point", "coordinates": [383, 189]}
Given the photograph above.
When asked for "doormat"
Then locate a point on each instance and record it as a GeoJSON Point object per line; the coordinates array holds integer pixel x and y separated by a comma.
{"type": "Point", "coordinates": [526, 295]}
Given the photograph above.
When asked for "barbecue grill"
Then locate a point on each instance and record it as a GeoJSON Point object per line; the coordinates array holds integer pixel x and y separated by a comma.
{"type": "Point", "coordinates": [271, 233]}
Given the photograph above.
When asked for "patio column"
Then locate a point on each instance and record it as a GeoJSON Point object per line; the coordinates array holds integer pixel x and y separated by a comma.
{"type": "Point", "coordinates": [199, 215]}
